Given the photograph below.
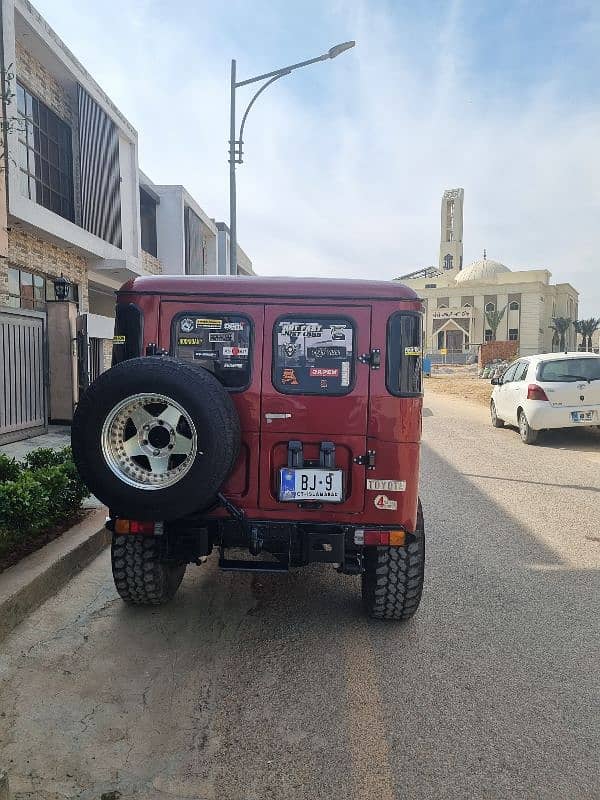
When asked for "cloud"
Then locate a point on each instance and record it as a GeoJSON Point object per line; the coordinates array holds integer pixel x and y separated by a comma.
{"type": "Point", "coordinates": [345, 162]}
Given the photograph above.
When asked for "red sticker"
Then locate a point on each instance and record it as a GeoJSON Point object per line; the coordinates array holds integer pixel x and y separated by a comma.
{"type": "Point", "coordinates": [324, 372]}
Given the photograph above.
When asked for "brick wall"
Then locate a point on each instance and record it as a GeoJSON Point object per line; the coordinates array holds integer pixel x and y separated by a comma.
{"type": "Point", "coordinates": [507, 351]}
{"type": "Point", "coordinates": [28, 251]}
{"type": "Point", "coordinates": [151, 265]}
{"type": "Point", "coordinates": [43, 84]}
{"type": "Point", "coordinates": [107, 352]}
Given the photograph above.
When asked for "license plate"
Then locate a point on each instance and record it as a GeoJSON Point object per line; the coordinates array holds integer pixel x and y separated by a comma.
{"type": "Point", "coordinates": [324, 485]}
{"type": "Point", "coordinates": [583, 416]}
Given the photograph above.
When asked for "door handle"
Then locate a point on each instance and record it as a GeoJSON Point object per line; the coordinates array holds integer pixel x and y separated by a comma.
{"type": "Point", "coordinates": [270, 417]}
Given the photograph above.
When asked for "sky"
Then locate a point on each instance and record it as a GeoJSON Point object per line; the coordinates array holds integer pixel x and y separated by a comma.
{"type": "Point", "coordinates": [346, 161]}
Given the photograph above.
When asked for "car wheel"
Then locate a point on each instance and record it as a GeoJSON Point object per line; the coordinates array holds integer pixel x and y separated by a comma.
{"type": "Point", "coordinates": [528, 435]}
{"type": "Point", "coordinates": [142, 577]}
{"type": "Point", "coordinates": [496, 421]}
{"type": "Point", "coordinates": [392, 581]}
{"type": "Point", "coordinates": [155, 438]}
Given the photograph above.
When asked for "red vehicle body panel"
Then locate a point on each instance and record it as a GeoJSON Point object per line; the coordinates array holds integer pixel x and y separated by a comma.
{"type": "Point", "coordinates": [367, 418]}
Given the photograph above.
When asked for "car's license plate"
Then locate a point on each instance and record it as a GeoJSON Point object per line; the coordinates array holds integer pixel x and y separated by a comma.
{"type": "Point", "coordinates": [583, 416]}
{"type": "Point", "coordinates": [324, 485]}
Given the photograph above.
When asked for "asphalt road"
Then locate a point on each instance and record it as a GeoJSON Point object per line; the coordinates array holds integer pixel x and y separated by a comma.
{"type": "Point", "coordinates": [249, 688]}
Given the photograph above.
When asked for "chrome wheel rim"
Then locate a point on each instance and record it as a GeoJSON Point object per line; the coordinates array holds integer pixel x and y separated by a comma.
{"type": "Point", "coordinates": [149, 441]}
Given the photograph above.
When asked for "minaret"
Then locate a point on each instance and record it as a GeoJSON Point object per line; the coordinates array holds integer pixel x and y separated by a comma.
{"type": "Point", "coordinates": [451, 239]}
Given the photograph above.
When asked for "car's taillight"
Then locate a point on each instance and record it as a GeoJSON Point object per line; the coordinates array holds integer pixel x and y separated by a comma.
{"type": "Point", "coordinates": [377, 537]}
{"type": "Point", "coordinates": [535, 392]}
{"type": "Point", "coordinates": [138, 526]}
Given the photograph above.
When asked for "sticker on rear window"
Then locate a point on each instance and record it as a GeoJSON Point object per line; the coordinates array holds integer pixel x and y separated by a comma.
{"type": "Point", "coordinates": [186, 341]}
{"type": "Point", "coordinates": [313, 356]}
{"type": "Point", "coordinates": [220, 337]}
{"type": "Point", "coordinates": [412, 351]}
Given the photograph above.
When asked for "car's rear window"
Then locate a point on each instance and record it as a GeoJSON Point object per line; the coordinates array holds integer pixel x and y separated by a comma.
{"type": "Point", "coordinates": [220, 343]}
{"type": "Point", "coordinates": [403, 369]}
{"type": "Point", "coordinates": [313, 355]}
{"type": "Point", "coordinates": [569, 370]}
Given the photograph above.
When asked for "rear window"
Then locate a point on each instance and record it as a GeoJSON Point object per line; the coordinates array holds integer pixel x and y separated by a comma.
{"type": "Point", "coordinates": [403, 369]}
{"type": "Point", "coordinates": [217, 342]}
{"type": "Point", "coordinates": [569, 369]}
{"type": "Point", "coordinates": [313, 355]}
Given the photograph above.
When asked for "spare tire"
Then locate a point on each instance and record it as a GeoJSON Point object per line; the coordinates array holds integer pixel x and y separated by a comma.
{"type": "Point", "coordinates": [154, 438]}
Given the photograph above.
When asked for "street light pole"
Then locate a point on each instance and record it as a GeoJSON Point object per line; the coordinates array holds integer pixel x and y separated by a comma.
{"type": "Point", "coordinates": [232, 197]}
{"type": "Point", "coordinates": [236, 144]}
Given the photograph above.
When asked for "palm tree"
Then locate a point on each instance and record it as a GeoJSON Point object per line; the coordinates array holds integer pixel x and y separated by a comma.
{"type": "Point", "coordinates": [493, 320]}
{"type": "Point", "coordinates": [560, 326]}
{"type": "Point", "coordinates": [586, 328]}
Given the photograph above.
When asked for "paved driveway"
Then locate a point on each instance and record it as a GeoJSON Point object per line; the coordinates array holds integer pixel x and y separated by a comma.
{"type": "Point", "coordinates": [277, 687]}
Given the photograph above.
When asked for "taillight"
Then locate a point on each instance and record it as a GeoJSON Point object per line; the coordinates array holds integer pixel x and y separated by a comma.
{"type": "Point", "coordinates": [138, 526]}
{"type": "Point", "coordinates": [379, 538]}
{"type": "Point", "coordinates": [535, 392]}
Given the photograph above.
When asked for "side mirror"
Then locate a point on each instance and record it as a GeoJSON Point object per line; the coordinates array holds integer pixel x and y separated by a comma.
{"type": "Point", "coordinates": [495, 381]}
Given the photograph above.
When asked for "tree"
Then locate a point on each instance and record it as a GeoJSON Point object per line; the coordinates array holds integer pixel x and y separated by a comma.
{"type": "Point", "coordinates": [560, 326]}
{"type": "Point", "coordinates": [493, 320]}
{"type": "Point", "coordinates": [586, 328]}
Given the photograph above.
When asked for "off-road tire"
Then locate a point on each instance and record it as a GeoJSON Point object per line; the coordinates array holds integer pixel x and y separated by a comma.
{"type": "Point", "coordinates": [496, 421]}
{"type": "Point", "coordinates": [208, 404]}
{"type": "Point", "coordinates": [141, 577]}
{"type": "Point", "coordinates": [392, 581]}
{"type": "Point", "coordinates": [527, 434]}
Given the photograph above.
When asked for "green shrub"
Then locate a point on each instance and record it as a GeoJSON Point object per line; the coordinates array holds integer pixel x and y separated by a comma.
{"type": "Point", "coordinates": [24, 505]}
{"type": "Point", "coordinates": [44, 491]}
{"type": "Point", "coordinates": [47, 457]}
{"type": "Point", "coordinates": [10, 469]}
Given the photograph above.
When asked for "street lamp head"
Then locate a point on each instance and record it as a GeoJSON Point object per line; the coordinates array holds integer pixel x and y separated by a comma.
{"type": "Point", "coordinates": [340, 48]}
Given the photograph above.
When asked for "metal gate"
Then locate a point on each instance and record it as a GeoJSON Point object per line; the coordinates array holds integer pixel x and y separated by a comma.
{"type": "Point", "coordinates": [23, 374]}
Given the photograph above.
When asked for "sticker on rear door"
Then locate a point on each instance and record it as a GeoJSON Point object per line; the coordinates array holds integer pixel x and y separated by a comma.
{"type": "Point", "coordinates": [383, 503]}
{"type": "Point", "coordinates": [382, 485]}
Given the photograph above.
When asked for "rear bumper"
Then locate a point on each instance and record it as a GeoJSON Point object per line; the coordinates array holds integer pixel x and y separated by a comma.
{"type": "Point", "coordinates": [291, 544]}
{"type": "Point", "coordinates": [542, 416]}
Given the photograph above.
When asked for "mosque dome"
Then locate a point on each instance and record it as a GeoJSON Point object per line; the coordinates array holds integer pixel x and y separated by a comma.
{"type": "Point", "coordinates": [481, 270]}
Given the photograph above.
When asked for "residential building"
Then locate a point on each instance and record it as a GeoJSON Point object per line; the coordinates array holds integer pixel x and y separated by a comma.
{"type": "Point", "coordinates": [73, 203]}
{"type": "Point", "coordinates": [456, 299]}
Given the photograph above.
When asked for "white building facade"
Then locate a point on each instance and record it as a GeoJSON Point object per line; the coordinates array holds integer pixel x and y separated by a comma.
{"type": "Point", "coordinates": [75, 204]}
{"type": "Point", "coordinates": [456, 302]}
{"type": "Point", "coordinates": [456, 299]}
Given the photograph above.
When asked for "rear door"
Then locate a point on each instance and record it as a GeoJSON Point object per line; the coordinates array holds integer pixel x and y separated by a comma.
{"type": "Point", "coordinates": [315, 390]}
{"type": "Point", "coordinates": [227, 339]}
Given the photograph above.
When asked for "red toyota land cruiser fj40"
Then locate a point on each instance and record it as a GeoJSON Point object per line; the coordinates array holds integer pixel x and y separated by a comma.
{"type": "Point", "coordinates": [278, 416]}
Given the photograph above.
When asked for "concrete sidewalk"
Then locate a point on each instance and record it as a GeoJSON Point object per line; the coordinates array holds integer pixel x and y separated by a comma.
{"type": "Point", "coordinates": [58, 436]}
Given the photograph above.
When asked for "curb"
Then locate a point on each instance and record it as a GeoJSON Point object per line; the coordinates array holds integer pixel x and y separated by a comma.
{"type": "Point", "coordinates": [26, 585]}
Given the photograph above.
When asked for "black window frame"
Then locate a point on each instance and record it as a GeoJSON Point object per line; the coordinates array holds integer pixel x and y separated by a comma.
{"type": "Point", "coordinates": [521, 373]}
{"type": "Point", "coordinates": [393, 356]}
{"type": "Point", "coordinates": [217, 315]}
{"type": "Point", "coordinates": [510, 367]}
{"type": "Point", "coordinates": [148, 231]}
{"type": "Point", "coordinates": [40, 133]}
{"type": "Point", "coordinates": [514, 338]}
{"type": "Point", "coordinates": [315, 318]}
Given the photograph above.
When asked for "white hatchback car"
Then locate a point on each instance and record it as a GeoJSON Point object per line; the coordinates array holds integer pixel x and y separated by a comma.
{"type": "Point", "coordinates": [554, 390]}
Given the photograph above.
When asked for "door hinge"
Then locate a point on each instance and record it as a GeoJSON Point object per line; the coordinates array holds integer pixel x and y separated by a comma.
{"type": "Point", "coordinates": [368, 460]}
{"type": "Point", "coordinates": [373, 358]}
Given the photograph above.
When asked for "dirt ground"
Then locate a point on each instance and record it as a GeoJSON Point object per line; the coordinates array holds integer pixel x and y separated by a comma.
{"type": "Point", "coordinates": [467, 387]}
